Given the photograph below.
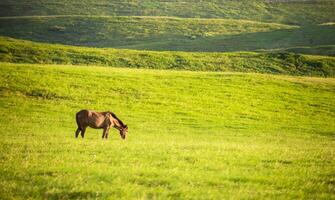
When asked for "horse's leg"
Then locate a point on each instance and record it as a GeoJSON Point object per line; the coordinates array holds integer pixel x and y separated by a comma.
{"type": "Point", "coordinates": [77, 132]}
{"type": "Point", "coordinates": [106, 133]}
{"type": "Point", "coordinates": [83, 129]}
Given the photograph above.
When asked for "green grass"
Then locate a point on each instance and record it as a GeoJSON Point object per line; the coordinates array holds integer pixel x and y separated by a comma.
{"type": "Point", "coordinates": [296, 12]}
{"type": "Point", "coordinates": [193, 135]}
{"type": "Point", "coordinates": [167, 33]}
{"type": "Point", "coordinates": [321, 50]}
{"type": "Point", "coordinates": [215, 134]}
{"type": "Point", "coordinates": [20, 51]}
{"type": "Point", "coordinates": [311, 37]}
{"type": "Point", "coordinates": [129, 31]}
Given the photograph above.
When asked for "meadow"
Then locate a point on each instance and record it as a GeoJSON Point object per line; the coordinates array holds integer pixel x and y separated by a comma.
{"type": "Point", "coordinates": [224, 99]}
{"type": "Point", "coordinates": [296, 12]}
{"type": "Point", "coordinates": [171, 33]}
{"type": "Point", "coordinates": [22, 51]}
{"type": "Point", "coordinates": [192, 135]}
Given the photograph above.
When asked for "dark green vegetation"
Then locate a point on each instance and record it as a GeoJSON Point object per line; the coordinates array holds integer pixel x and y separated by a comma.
{"type": "Point", "coordinates": [150, 32]}
{"type": "Point", "coordinates": [196, 26]}
{"type": "Point", "coordinates": [291, 12]}
{"type": "Point", "coordinates": [161, 33]}
{"type": "Point", "coordinates": [20, 51]}
{"type": "Point", "coordinates": [192, 135]}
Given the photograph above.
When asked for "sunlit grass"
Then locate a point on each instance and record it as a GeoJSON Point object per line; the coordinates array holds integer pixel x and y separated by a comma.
{"type": "Point", "coordinates": [192, 135]}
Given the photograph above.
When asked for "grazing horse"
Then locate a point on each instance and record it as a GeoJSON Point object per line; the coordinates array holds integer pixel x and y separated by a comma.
{"type": "Point", "coordinates": [99, 120]}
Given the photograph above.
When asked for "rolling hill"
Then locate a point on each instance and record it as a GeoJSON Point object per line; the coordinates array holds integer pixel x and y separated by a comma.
{"type": "Point", "coordinates": [171, 34]}
{"type": "Point", "coordinates": [296, 12]}
{"type": "Point", "coordinates": [130, 31]}
{"type": "Point", "coordinates": [20, 51]}
{"type": "Point", "coordinates": [194, 26]}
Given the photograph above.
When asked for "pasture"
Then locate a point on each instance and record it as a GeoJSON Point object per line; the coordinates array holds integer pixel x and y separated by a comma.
{"type": "Point", "coordinates": [23, 51]}
{"type": "Point", "coordinates": [223, 99]}
{"type": "Point", "coordinates": [172, 33]}
{"type": "Point", "coordinates": [299, 12]}
{"type": "Point", "coordinates": [192, 135]}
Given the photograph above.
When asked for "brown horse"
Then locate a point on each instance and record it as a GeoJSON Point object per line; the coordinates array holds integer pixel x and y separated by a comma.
{"type": "Point", "coordinates": [99, 120]}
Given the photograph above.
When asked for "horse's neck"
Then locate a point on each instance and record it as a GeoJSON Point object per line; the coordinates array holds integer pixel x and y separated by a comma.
{"type": "Point", "coordinates": [117, 124]}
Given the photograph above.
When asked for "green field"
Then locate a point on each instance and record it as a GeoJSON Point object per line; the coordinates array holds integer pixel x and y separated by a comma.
{"type": "Point", "coordinates": [305, 27]}
{"type": "Point", "coordinates": [20, 51]}
{"type": "Point", "coordinates": [172, 34]}
{"type": "Point", "coordinates": [224, 99]}
{"type": "Point", "coordinates": [193, 135]}
{"type": "Point", "coordinates": [299, 12]}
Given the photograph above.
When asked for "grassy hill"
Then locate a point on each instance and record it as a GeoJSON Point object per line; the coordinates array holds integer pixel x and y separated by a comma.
{"type": "Point", "coordinates": [20, 51]}
{"type": "Point", "coordinates": [290, 12]}
{"type": "Point", "coordinates": [192, 135]}
{"type": "Point", "coordinates": [188, 25]}
{"type": "Point", "coordinates": [127, 31]}
{"type": "Point", "coordinates": [166, 33]}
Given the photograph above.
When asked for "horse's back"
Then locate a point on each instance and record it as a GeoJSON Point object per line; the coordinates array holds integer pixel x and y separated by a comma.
{"type": "Point", "coordinates": [90, 118]}
{"type": "Point", "coordinates": [82, 112]}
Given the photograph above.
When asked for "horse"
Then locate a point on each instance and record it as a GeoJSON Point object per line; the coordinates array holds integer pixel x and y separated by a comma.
{"type": "Point", "coordinates": [99, 120]}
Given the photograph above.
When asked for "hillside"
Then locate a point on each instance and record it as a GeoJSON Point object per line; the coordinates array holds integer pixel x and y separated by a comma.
{"type": "Point", "coordinates": [173, 34]}
{"type": "Point", "coordinates": [287, 12]}
{"type": "Point", "coordinates": [125, 31]}
{"type": "Point", "coordinates": [195, 26]}
{"type": "Point", "coordinates": [20, 51]}
{"type": "Point", "coordinates": [211, 135]}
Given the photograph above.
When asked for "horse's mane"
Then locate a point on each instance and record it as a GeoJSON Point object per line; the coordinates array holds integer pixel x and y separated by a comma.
{"type": "Point", "coordinates": [113, 115]}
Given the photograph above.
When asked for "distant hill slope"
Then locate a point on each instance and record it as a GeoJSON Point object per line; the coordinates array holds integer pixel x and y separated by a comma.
{"type": "Point", "coordinates": [289, 12]}
{"type": "Point", "coordinates": [125, 31]}
{"type": "Point", "coordinates": [20, 51]}
{"type": "Point", "coordinates": [169, 33]}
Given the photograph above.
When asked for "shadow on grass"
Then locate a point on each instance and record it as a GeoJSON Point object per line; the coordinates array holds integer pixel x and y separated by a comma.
{"type": "Point", "coordinates": [291, 39]}
{"type": "Point", "coordinates": [51, 31]}
{"type": "Point", "coordinates": [277, 161]}
{"type": "Point", "coordinates": [328, 134]}
{"type": "Point", "coordinates": [71, 195]}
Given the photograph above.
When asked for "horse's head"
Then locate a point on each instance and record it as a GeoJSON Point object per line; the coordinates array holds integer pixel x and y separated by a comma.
{"type": "Point", "coordinates": [124, 131]}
